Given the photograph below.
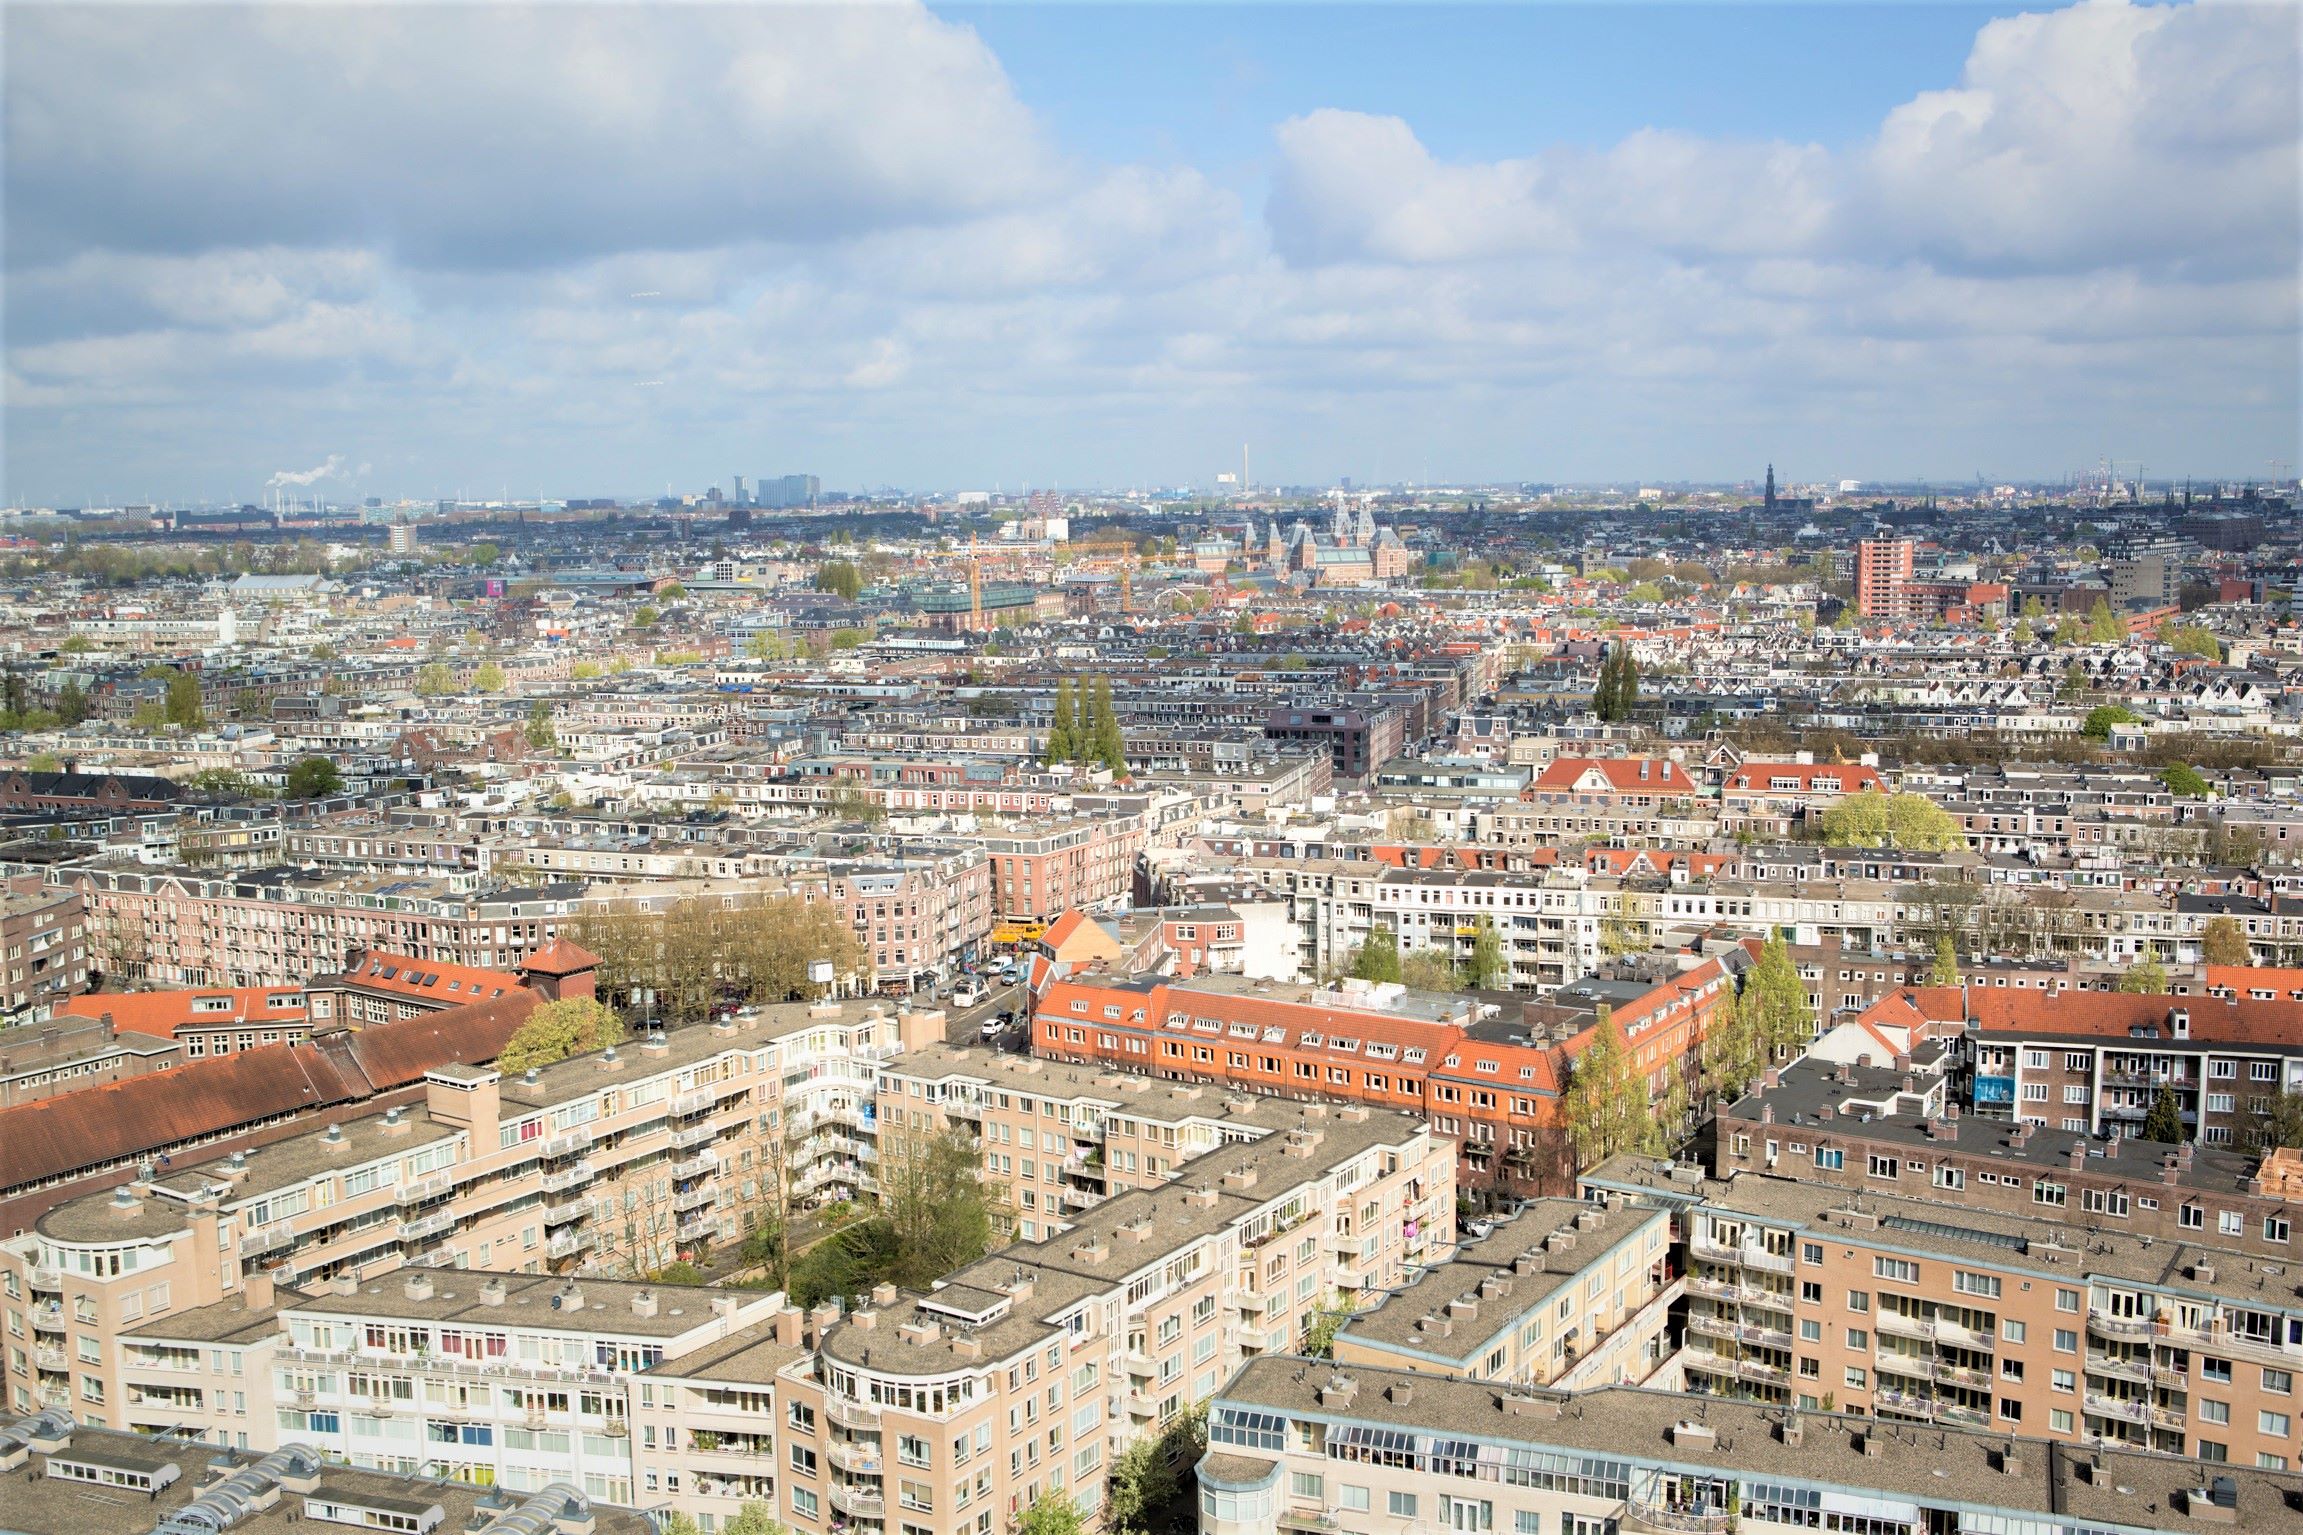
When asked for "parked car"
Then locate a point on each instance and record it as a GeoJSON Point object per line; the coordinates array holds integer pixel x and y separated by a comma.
{"type": "Point", "coordinates": [993, 1027]}
{"type": "Point", "coordinates": [967, 994]}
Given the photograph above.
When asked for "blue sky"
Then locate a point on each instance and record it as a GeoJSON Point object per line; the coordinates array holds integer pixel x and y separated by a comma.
{"type": "Point", "coordinates": [422, 250]}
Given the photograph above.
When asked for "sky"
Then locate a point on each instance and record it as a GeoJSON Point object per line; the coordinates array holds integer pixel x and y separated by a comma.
{"type": "Point", "coordinates": [589, 249]}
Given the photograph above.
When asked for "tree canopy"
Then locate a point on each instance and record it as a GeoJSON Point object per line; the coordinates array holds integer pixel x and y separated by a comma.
{"type": "Point", "coordinates": [2164, 1122]}
{"type": "Point", "coordinates": [1909, 821]}
{"type": "Point", "coordinates": [2185, 781]}
{"type": "Point", "coordinates": [1776, 998]}
{"type": "Point", "coordinates": [1378, 958]}
{"type": "Point", "coordinates": [2097, 725]}
{"type": "Point", "coordinates": [558, 1030]}
{"type": "Point", "coordinates": [1605, 1107]}
{"type": "Point", "coordinates": [2224, 942]}
{"type": "Point", "coordinates": [314, 778]}
{"type": "Point", "coordinates": [2145, 977]}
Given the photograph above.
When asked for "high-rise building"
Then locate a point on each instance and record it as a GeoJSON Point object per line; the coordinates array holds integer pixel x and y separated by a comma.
{"type": "Point", "coordinates": [1883, 569]}
{"type": "Point", "coordinates": [789, 490]}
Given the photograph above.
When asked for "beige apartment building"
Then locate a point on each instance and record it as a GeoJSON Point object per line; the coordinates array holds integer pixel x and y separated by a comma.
{"type": "Point", "coordinates": [1568, 1293]}
{"type": "Point", "coordinates": [1362, 1451]}
{"type": "Point", "coordinates": [1943, 1314]}
{"type": "Point", "coordinates": [1026, 1373]}
{"type": "Point", "coordinates": [617, 1162]}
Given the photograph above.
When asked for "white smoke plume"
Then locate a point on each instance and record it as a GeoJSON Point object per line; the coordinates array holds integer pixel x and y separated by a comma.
{"type": "Point", "coordinates": [327, 471]}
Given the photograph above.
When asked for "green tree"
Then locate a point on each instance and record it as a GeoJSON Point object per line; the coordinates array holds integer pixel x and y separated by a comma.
{"type": "Point", "coordinates": [1326, 1322]}
{"type": "Point", "coordinates": [933, 1195]}
{"type": "Point", "coordinates": [1109, 746]}
{"type": "Point", "coordinates": [184, 701]}
{"type": "Point", "coordinates": [1487, 969]}
{"type": "Point", "coordinates": [2100, 719]}
{"type": "Point", "coordinates": [1776, 998]}
{"type": "Point", "coordinates": [2184, 781]}
{"type": "Point", "coordinates": [584, 671]}
{"type": "Point", "coordinates": [2281, 1124]}
{"type": "Point", "coordinates": [2164, 1123]}
{"type": "Point", "coordinates": [1618, 690]}
{"type": "Point", "coordinates": [1620, 935]}
{"type": "Point", "coordinates": [2103, 627]}
{"type": "Point", "coordinates": [541, 736]}
{"type": "Point", "coordinates": [681, 1272]}
{"type": "Point", "coordinates": [1909, 821]}
{"type": "Point", "coordinates": [1378, 958]}
{"type": "Point", "coordinates": [76, 645]}
{"type": "Point", "coordinates": [840, 578]}
{"type": "Point", "coordinates": [558, 1030]}
{"type": "Point", "coordinates": [314, 778]}
{"type": "Point", "coordinates": [1946, 968]}
{"type": "Point", "coordinates": [434, 680]}
{"type": "Point", "coordinates": [2146, 977]}
{"type": "Point", "coordinates": [677, 1523]}
{"type": "Point", "coordinates": [150, 715]}
{"type": "Point", "coordinates": [2191, 640]}
{"type": "Point", "coordinates": [1605, 1107]}
{"type": "Point", "coordinates": [754, 1518]}
{"type": "Point", "coordinates": [1732, 1054]}
{"type": "Point", "coordinates": [646, 615]}
{"type": "Point", "coordinates": [72, 706]}
{"type": "Point", "coordinates": [1063, 732]}
{"type": "Point", "coordinates": [1052, 1513]}
{"type": "Point", "coordinates": [2224, 942]}
{"type": "Point", "coordinates": [489, 678]}
{"type": "Point", "coordinates": [1428, 970]}
{"type": "Point", "coordinates": [2021, 636]}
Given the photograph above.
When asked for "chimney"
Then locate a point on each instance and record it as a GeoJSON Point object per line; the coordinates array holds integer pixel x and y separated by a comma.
{"type": "Point", "coordinates": [643, 1303]}
{"type": "Point", "coordinates": [419, 1284]}
{"type": "Point", "coordinates": [394, 1122]}
{"type": "Point", "coordinates": [788, 1327]}
{"type": "Point", "coordinates": [1767, 1113]}
{"type": "Point", "coordinates": [2078, 1156]}
{"type": "Point", "coordinates": [883, 1294]}
{"type": "Point", "coordinates": [257, 1291]}
{"type": "Point", "coordinates": [491, 1292]}
{"type": "Point", "coordinates": [1338, 1391]}
{"type": "Point", "coordinates": [724, 1306]}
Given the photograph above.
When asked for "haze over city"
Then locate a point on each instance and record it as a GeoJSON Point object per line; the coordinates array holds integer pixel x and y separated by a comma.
{"type": "Point", "coordinates": [594, 250]}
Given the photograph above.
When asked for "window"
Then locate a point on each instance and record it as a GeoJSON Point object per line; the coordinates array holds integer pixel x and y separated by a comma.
{"type": "Point", "coordinates": [2063, 1380]}
{"type": "Point", "coordinates": [2278, 1382]}
{"type": "Point", "coordinates": [2214, 1412]}
{"type": "Point", "coordinates": [2274, 1228]}
{"type": "Point", "coordinates": [1855, 1378]}
{"type": "Point", "coordinates": [1353, 1498]}
{"type": "Point", "coordinates": [2218, 1370]}
{"type": "Point", "coordinates": [1401, 1504]}
{"type": "Point", "coordinates": [1308, 1484]}
{"type": "Point", "coordinates": [2271, 1424]}
{"type": "Point", "coordinates": [2066, 1340]}
{"type": "Point", "coordinates": [1859, 1300]}
{"type": "Point", "coordinates": [2067, 1300]}
{"type": "Point", "coordinates": [1986, 1285]}
{"type": "Point", "coordinates": [1901, 1270]}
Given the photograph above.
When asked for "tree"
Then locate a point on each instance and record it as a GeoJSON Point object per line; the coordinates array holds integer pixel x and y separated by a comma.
{"type": "Point", "coordinates": [584, 671]}
{"type": "Point", "coordinates": [434, 680]}
{"type": "Point", "coordinates": [1946, 969]}
{"type": "Point", "coordinates": [1326, 1322]}
{"type": "Point", "coordinates": [1378, 958]}
{"type": "Point", "coordinates": [1428, 970]}
{"type": "Point", "coordinates": [1620, 935]}
{"type": "Point", "coordinates": [489, 678]}
{"type": "Point", "coordinates": [314, 778]}
{"type": "Point", "coordinates": [840, 578]}
{"type": "Point", "coordinates": [72, 706]}
{"type": "Point", "coordinates": [933, 1197]}
{"type": "Point", "coordinates": [1732, 1055]}
{"type": "Point", "coordinates": [76, 645]}
{"type": "Point", "coordinates": [1618, 688]}
{"type": "Point", "coordinates": [541, 736]}
{"type": "Point", "coordinates": [646, 615]}
{"type": "Point", "coordinates": [1063, 732]}
{"type": "Point", "coordinates": [2146, 977]}
{"type": "Point", "coordinates": [1108, 746]}
{"type": "Point", "coordinates": [1909, 821]}
{"type": "Point", "coordinates": [1776, 997]}
{"type": "Point", "coordinates": [679, 1272]}
{"type": "Point", "coordinates": [754, 1518]}
{"type": "Point", "coordinates": [2184, 781]}
{"type": "Point", "coordinates": [2281, 1124]}
{"type": "Point", "coordinates": [558, 1030]}
{"type": "Point", "coordinates": [151, 714]}
{"type": "Point", "coordinates": [2103, 627]}
{"type": "Point", "coordinates": [2224, 942]}
{"type": "Point", "coordinates": [1052, 1513]}
{"type": "Point", "coordinates": [184, 701]}
{"type": "Point", "coordinates": [2021, 635]}
{"type": "Point", "coordinates": [677, 1523]}
{"type": "Point", "coordinates": [1488, 969]}
{"type": "Point", "coordinates": [1605, 1105]}
{"type": "Point", "coordinates": [2100, 719]}
{"type": "Point", "coordinates": [2164, 1123]}
{"type": "Point", "coordinates": [2191, 640]}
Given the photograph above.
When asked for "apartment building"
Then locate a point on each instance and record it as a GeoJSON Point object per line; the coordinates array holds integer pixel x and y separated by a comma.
{"type": "Point", "coordinates": [1884, 568]}
{"type": "Point", "coordinates": [87, 1480]}
{"type": "Point", "coordinates": [1880, 1135]}
{"type": "Point", "coordinates": [1933, 1311]}
{"type": "Point", "coordinates": [2090, 1062]}
{"type": "Point", "coordinates": [1029, 1371]}
{"type": "Point", "coordinates": [275, 927]}
{"type": "Point", "coordinates": [616, 1162]}
{"type": "Point", "coordinates": [1567, 1293]}
{"type": "Point", "coordinates": [68, 1053]}
{"type": "Point", "coordinates": [1042, 870]}
{"type": "Point", "coordinates": [1363, 1451]}
{"type": "Point", "coordinates": [208, 1021]}
{"type": "Point", "coordinates": [44, 950]}
{"type": "Point", "coordinates": [1774, 798]}
{"type": "Point", "coordinates": [1490, 1081]}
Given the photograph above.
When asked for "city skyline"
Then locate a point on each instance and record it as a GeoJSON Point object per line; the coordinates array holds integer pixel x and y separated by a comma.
{"type": "Point", "coordinates": [1102, 247]}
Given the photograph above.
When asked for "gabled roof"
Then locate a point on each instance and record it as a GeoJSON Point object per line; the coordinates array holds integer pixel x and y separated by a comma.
{"type": "Point", "coordinates": [163, 1013]}
{"type": "Point", "coordinates": [560, 957]}
{"type": "Point", "coordinates": [1623, 774]}
{"type": "Point", "coordinates": [431, 980]}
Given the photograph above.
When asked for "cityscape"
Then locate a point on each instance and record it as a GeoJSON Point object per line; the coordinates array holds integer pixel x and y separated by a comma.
{"type": "Point", "coordinates": [983, 755]}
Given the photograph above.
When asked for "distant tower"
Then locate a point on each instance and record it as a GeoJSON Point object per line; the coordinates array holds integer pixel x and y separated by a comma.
{"type": "Point", "coordinates": [1771, 487]}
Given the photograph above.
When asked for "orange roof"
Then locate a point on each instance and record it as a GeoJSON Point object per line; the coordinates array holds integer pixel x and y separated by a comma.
{"type": "Point", "coordinates": [560, 957]}
{"type": "Point", "coordinates": [1624, 775]}
{"type": "Point", "coordinates": [433, 980]}
{"type": "Point", "coordinates": [162, 1013]}
{"type": "Point", "coordinates": [1851, 777]}
{"type": "Point", "coordinates": [2241, 979]}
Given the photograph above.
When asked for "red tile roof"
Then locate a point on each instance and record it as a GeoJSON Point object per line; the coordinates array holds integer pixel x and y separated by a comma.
{"type": "Point", "coordinates": [434, 981]}
{"type": "Point", "coordinates": [162, 1013]}
{"type": "Point", "coordinates": [560, 957]}
{"type": "Point", "coordinates": [1758, 777]}
{"type": "Point", "coordinates": [1622, 774]}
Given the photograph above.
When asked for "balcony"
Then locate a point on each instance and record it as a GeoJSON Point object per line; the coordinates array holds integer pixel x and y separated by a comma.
{"type": "Point", "coordinates": [2118, 1367]}
{"type": "Point", "coordinates": [567, 1178]}
{"type": "Point", "coordinates": [695, 1167]}
{"type": "Point", "coordinates": [695, 1230]}
{"type": "Point", "coordinates": [692, 1136]}
{"type": "Point", "coordinates": [51, 1358]}
{"type": "Point", "coordinates": [2109, 1326]}
{"type": "Point", "coordinates": [439, 1223]}
{"type": "Point", "coordinates": [426, 1188]}
{"type": "Point", "coordinates": [851, 1455]}
{"type": "Point", "coordinates": [568, 1244]}
{"type": "Point", "coordinates": [1745, 1333]}
{"type": "Point", "coordinates": [2127, 1409]}
{"type": "Point", "coordinates": [1739, 1295]}
{"type": "Point", "coordinates": [850, 1413]}
{"type": "Point", "coordinates": [569, 1143]}
{"type": "Point", "coordinates": [850, 1499]}
{"type": "Point", "coordinates": [271, 1239]}
{"type": "Point", "coordinates": [565, 1213]}
{"type": "Point", "coordinates": [693, 1199]}
{"type": "Point", "coordinates": [1747, 1369]}
{"type": "Point", "coordinates": [692, 1103]}
{"type": "Point", "coordinates": [1647, 1512]}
